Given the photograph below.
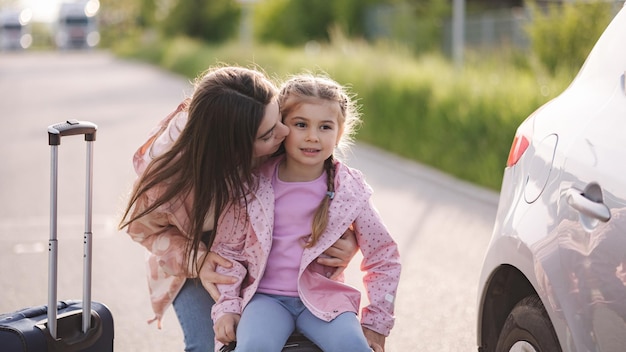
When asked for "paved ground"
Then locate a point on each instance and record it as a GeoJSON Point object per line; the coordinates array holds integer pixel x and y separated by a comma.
{"type": "Point", "coordinates": [441, 224]}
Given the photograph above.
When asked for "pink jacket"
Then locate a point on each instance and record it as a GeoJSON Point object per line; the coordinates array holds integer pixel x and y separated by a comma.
{"type": "Point", "coordinates": [248, 245]}
{"type": "Point", "coordinates": [163, 232]}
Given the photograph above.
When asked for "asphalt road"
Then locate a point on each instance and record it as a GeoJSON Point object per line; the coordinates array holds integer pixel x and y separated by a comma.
{"type": "Point", "coordinates": [441, 224]}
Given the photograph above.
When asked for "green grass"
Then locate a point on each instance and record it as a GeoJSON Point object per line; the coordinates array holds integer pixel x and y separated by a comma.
{"type": "Point", "coordinates": [423, 108]}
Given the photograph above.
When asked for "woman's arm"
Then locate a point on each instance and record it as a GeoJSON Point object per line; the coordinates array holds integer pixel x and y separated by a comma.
{"type": "Point", "coordinates": [161, 238]}
{"type": "Point", "coordinates": [341, 253]}
{"type": "Point", "coordinates": [160, 139]}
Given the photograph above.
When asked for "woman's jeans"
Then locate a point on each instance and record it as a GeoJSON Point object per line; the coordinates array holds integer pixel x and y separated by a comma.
{"type": "Point", "coordinates": [193, 308]}
{"type": "Point", "coordinates": [268, 320]}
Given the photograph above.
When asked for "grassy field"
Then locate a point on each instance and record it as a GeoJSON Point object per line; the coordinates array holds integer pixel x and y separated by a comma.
{"type": "Point", "coordinates": [461, 121]}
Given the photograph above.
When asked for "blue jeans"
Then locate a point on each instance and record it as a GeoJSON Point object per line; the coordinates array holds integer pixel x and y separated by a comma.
{"type": "Point", "coordinates": [268, 320]}
{"type": "Point", "coordinates": [193, 309]}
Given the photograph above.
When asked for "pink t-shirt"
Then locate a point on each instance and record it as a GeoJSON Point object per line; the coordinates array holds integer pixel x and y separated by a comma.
{"type": "Point", "coordinates": [295, 206]}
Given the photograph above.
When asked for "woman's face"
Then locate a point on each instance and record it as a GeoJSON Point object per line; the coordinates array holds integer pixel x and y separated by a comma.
{"type": "Point", "coordinates": [271, 133]}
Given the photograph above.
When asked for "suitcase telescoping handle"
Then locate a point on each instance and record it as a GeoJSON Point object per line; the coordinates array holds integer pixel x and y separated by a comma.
{"type": "Point", "coordinates": [55, 132]}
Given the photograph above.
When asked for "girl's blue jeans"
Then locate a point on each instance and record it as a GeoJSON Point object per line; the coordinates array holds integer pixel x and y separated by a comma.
{"type": "Point", "coordinates": [268, 320]}
{"type": "Point", "coordinates": [193, 309]}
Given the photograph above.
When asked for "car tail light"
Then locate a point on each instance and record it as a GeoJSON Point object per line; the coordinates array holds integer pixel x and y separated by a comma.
{"type": "Point", "coordinates": [520, 142]}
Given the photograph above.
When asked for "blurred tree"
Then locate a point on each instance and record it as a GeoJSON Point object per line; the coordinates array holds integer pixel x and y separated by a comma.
{"type": "Point", "coordinates": [295, 22]}
{"type": "Point", "coordinates": [212, 21]}
{"type": "Point", "coordinates": [562, 35]}
{"type": "Point", "coordinates": [292, 22]}
{"type": "Point", "coordinates": [478, 6]}
{"type": "Point", "coordinates": [418, 24]}
{"type": "Point", "coordinates": [146, 17]}
{"type": "Point", "coordinates": [350, 15]}
{"type": "Point", "coordinates": [429, 16]}
{"type": "Point", "coordinates": [118, 19]}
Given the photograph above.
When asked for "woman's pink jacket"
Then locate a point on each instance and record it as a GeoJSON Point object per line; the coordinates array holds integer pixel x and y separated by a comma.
{"type": "Point", "coordinates": [164, 231]}
{"type": "Point", "coordinates": [248, 244]}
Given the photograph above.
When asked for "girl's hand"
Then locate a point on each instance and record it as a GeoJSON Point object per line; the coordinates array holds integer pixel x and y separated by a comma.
{"type": "Point", "coordinates": [209, 277]}
{"type": "Point", "coordinates": [340, 253]}
{"type": "Point", "coordinates": [375, 340]}
{"type": "Point", "coordinates": [226, 327]}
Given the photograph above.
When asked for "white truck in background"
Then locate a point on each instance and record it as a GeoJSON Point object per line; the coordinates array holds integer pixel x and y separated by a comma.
{"type": "Point", "coordinates": [15, 33]}
{"type": "Point", "coordinates": [77, 25]}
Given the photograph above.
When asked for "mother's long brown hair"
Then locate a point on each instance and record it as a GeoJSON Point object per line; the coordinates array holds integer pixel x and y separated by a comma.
{"type": "Point", "coordinates": [212, 159]}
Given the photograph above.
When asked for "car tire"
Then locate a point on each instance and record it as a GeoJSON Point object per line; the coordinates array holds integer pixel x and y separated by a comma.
{"type": "Point", "coordinates": [528, 324]}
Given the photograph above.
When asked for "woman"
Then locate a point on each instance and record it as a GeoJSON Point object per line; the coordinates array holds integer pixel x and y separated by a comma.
{"type": "Point", "coordinates": [203, 156]}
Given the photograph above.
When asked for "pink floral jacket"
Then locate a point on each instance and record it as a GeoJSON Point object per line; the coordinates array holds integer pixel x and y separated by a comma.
{"type": "Point", "coordinates": [163, 232]}
{"type": "Point", "coordinates": [248, 244]}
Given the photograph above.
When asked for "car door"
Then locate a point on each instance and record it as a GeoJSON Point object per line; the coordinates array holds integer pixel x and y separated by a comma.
{"type": "Point", "coordinates": [591, 230]}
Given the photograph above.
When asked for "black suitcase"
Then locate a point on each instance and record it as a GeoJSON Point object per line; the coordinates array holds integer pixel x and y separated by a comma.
{"type": "Point", "coordinates": [65, 328]}
{"type": "Point", "coordinates": [296, 343]}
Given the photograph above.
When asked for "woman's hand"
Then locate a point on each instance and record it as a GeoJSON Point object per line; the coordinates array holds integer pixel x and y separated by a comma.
{"type": "Point", "coordinates": [226, 328]}
{"type": "Point", "coordinates": [210, 278]}
{"type": "Point", "coordinates": [341, 253]}
{"type": "Point", "coordinates": [375, 340]}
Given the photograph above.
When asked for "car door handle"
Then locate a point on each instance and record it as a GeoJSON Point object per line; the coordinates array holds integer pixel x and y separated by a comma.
{"type": "Point", "coordinates": [588, 207]}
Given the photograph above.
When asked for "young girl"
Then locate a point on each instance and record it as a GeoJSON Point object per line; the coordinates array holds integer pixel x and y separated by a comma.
{"type": "Point", "coordinates": [200, 158]}
{"type": "Point", "coordinates": [304, 201]}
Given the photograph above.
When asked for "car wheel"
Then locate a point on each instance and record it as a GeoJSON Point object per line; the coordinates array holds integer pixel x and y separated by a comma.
{"type": "Point", "coordinates": [528, 328]}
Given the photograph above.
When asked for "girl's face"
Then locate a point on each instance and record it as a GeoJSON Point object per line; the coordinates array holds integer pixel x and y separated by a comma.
{"type": "Point", "coordinates": [271, 132]}
{"type": "Point", "coordinates": [314, 131]}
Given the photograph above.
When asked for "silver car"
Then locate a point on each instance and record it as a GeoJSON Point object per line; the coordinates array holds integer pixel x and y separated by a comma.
{"type": "Point", "coordinates": [554, 275]}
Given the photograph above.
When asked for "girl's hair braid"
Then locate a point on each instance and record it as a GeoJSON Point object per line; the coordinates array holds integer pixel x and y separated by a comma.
{"type": "Point", "coordinates": [320, 219]}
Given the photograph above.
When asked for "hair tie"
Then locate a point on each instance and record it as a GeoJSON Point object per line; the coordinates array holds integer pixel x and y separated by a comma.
{"type": "Point", "coordinates": [330, 194]}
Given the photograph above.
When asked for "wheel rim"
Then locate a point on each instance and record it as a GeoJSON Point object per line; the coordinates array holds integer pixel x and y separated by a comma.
{"type": "Point", "coordinates": [523, 346]}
